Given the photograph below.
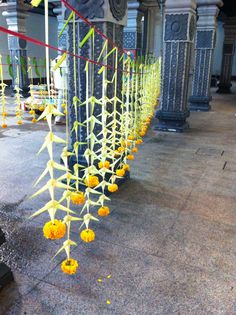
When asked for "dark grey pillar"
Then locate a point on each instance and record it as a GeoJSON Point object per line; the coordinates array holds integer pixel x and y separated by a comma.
{"type": "Point", "coordinates": [16, 14]}
{"type": "Point", "coordinates": [62, 41]}
{"type": "Point", "coordinates": [179, 31]}
{"type": "Point", "coordinates": [133, 30]}
{"type": "Point", "coordinates": [224, 85]}
{"type": "Point", "coordinates": [108, 16]}
{"type": "Point", "coordinates": [204, 48]}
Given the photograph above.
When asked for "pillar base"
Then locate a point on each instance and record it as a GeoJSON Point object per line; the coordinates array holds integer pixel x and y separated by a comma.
{"type": "Point", "coordinates": [172, 121]}
{"type": "Point", "coordinates": [199, 104]}
{"type": "Point", "coordinates": [224, 89]}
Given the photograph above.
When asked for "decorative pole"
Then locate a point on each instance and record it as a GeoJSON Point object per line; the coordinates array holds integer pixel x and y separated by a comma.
{"type": "Point", "coordinates": [224, 85]}
{"type": "Point", "coordinates": [204, 50]}
{"type": "Point", "coordinates": [16, 14]}
{"type": "Point", "coordinates": [179, 31]}
{"type": "Point", "coordinates": [109, 16]}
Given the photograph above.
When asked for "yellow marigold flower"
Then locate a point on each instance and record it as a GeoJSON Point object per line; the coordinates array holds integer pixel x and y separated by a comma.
{"type": "Point", "coordinates": [4, 114]}
{"type": "Point", "coordinates": [130, 157]}
{"type": "Point", "coordinates": [54, 230]}
{"type": "Point", "coordinates": [120, 149]}
{"type": "Point", "coordinates": [31, 112]}
{"type": "Point", "coordinates": [41, 108]}
{"type": "Point", "coordinates": [126, 167]}
{"type": "Point", "coordinates": [63, 105]}
{"type": "Point", "coordinates": [69, 266]}
{"type": "Point", "coordinates": [120, 172]}
{"type": "Point", "coordinates": [87, 235]}
{"type": "Point", "coordinates": [91, 181]}
{"type": "Point", "coordinates": [134, 150]}
{"type": "Point", "coordinates": [77, 197]}
{"type": "Point", "coordinates": [19, 122]}
{"type": "Point", "coordinates": [18, 114]}
{"type": "Point", "coordinates": [65, 112]}
{"type": "Point", "coordinates": [139, 141]}
{"type": "Point", "coordinates": [103, 211]}
{"type": "Point", "coordinates": [105, 164]}
{"type": "Point", "coordinates": [112, 187]}
{"type": "Point", "coordinates": [131, 137]}
{"type": "Point", "coordinates": [34, 120]}
{"type": "Point", "coordinates": [128, 143]}
{"type": "Point", "coordinates": [4, 126]}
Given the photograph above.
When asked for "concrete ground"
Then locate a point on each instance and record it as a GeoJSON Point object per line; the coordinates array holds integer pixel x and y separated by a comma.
{"type": "Point", "coordinates": [169, 244]}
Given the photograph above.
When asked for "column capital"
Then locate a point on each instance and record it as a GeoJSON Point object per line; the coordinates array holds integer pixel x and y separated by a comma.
{"type": "Point", "coordinates": [16, 15]}
{"type": "Point", "coordinates": [206, 3]}
{"type": "Point", "coordinates": [100, 10]}
{"type": "Point", "coordinates": [180, 6]}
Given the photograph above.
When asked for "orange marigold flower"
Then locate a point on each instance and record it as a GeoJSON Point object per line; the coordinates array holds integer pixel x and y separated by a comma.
{"type": "Point", "coordinates": [19, 122]}
{"type": "Point", "coordinates": [134, 150]}
{"type": "Point", "coordinates": [91, 181]}
{"type": "Point", "coordinates": [139, 141]}
{"type": "Point", "coordinates": [142, 133]}
{"type": "Point", "coordinates": [130, 157]}
{"type": "Point", "coordinates": [4, 126]}
{"type": "Point", "coordinates": [112, 187]}
{"type": "Point", "coordinates": [103, 211]}
{"type": "Point", "coordinates": [41, 108]}
{"type": "Point", "coordinates": [54, 230]}
{"type": "Point", "coordinates": [131, 137]}
{"type": "Point", "coordinates": [69, 266]}
{"type": "Point", "coordinates": [126, 167]}
{"type": "Point", "coordinates": [4, 114]}
{"type": "Point", "coordinates": [31, 112]}
{"type": "Point", "coordinates": [105, 164]}
{"type": "Point", "coordinates": [120, 172]}
{"type": "Point", "coordinates": [87, 235]}
{"type": "Point", "coordinates": [34, 120]}
{"type": "Point", "coordinates": [77, 197]}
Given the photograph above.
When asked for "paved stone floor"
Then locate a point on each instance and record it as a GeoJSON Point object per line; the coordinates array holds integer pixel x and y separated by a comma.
{"type": "Point", "coordinates": [169, 244]}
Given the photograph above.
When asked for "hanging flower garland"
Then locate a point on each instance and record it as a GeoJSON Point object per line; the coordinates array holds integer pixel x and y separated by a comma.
{"type": "Point", "coordinates": [122, 124]}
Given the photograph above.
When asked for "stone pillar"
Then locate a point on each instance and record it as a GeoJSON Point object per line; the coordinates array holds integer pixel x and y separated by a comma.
{"type": "Point", "coordinates": [62, 41]}
{"type": "Point", "coordinates": [16, 14]}
{"type": "Point", "coordinates": [179, 31]}
{"type": "Point", "coordinates": [109, 16]}
{"type": "Point", "coordinates": [204, 49]}
{"type": "Point", "coordinates": [152, 18]}
{"type": "Point", "coordinates": [133, 30]}
{"type": "Point", "coordinates": [224, 85]}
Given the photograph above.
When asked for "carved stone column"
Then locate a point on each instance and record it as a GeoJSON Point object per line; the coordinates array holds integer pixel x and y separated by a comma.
{"type": "Point", "coordinates": [179, 31]}
{"type": "Point", "coordinates": [16, 14]}
{"type": "Point", "coordinates": [62, 41]}
{"type": "Point", "coordinates": [133, 30]}
{"type": "Point", "coordinates": [224, 85]}
{"type": "Point", "coordinates": [109, 16]}
{"type": "Point", "coordinates": [204, 49]}
{"type": "Point", "coordinates": [152, 19]}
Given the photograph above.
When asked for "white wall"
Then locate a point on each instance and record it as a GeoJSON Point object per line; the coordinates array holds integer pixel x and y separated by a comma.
{"type": "Point", "coordinates": [35, 28]}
